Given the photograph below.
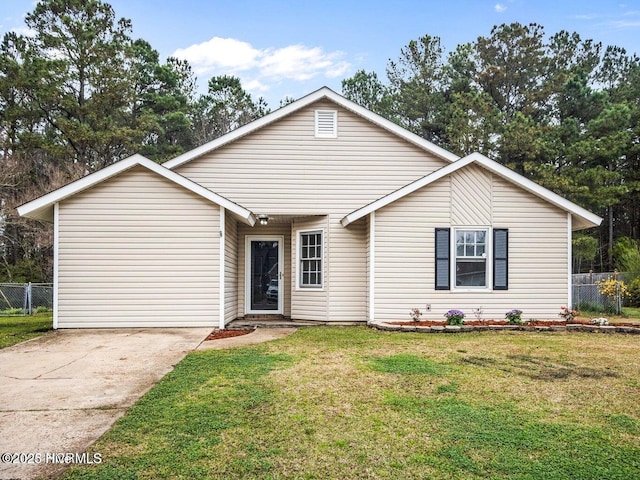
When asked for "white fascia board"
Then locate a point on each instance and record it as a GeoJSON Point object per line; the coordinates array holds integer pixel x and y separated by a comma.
{"type": "Point", "coordinates": [42, 208]}
{"type": "Point", "coordinates": [305, 101]}
{"type": "Point", "coordinates": [587, 219]}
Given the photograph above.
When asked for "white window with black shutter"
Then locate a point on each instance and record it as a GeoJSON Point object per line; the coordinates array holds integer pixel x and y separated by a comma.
{"type": "Point", "coordinates": [468, 258]}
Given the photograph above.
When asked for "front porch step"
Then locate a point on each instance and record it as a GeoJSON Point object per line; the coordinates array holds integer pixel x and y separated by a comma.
{"type": "Point", "coordinates": [268, 321]}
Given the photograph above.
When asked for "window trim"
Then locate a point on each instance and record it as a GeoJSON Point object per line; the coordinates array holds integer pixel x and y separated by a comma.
{"type": "Point", "coordinates": [488, 286]}
{"type": "Point", "coordinates": [299, 259]}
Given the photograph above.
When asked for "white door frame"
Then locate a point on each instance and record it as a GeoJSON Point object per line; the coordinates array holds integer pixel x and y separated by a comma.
{"type": "Point", "coordinates": [247, 273]}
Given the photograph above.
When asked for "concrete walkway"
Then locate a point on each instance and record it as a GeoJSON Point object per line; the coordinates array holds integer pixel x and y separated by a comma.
{"type": "Point", "coordinates": [60, 392]}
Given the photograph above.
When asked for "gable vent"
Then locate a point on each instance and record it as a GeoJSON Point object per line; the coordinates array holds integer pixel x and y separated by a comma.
{"type": "Point", "coordinates": [326, 123]}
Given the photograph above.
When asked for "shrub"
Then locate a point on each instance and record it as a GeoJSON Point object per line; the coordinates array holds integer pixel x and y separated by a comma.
{"type": "Point", "coordinates": [455, 317]}
{"type": "Point", "coordinates": [12, 311]}
{"type": "Point", "coordinates": [567, 314]}
{"type": "Point", "coordinates": [615, 291]}
{"type": "Point", "coordinates": [41, 309]}
{"type": "Point", "coordinates": [514, 316]}
{"type": "Point", "coordinates": [634, 293]}
{"type": "Point", "coordinates": [415, 314]}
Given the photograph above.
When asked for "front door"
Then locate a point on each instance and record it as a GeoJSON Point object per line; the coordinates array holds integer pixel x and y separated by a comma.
{"type": "Point", "coordinates": [263, 274]}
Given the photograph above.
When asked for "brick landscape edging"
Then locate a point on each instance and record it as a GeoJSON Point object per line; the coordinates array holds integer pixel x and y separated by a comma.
{"type": "Point", "coordinates": [571, 327]}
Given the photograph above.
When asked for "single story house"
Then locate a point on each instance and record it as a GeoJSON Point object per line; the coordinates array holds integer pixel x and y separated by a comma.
{"type": "Point", "coordinates": [320, 211]}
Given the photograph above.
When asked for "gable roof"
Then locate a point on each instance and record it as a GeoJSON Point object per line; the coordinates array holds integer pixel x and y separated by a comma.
{"type": "Point", "coordinates": [42, 208]}
{"type": "Point", "coordinates": [581, 218]}
{"type": "Point", "coordinates": [322, 93]}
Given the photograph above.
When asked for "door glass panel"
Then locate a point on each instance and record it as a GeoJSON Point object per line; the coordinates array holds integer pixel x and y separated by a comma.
{"type": "Point", "coordinates": [265, 288]}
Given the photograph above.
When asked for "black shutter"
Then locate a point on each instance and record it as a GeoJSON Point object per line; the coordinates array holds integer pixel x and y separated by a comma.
{"type": "Point", "coordinates": [443, 266]}
{"type": "Point", "coordinates": [500, 259]}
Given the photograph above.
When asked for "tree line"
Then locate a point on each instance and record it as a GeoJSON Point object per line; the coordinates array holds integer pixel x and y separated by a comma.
{"type": "Point", "coordinates": [79, 93]}
{"type": "Point", "coordinates": [560, 110]}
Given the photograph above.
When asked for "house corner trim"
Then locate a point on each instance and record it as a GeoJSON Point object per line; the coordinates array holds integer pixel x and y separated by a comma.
{"type": "Point", "coordinates": [569, 261]}
{"type": "Point", "coordinates": [223, 241]}
{"type": "Point", "coordinates": [372, 264]}
{"type": "Point", "coordinates": [56, 252]}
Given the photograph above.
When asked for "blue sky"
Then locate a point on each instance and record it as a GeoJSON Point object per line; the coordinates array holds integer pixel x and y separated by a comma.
{"type": "Point", "coordinates": [281, 48]}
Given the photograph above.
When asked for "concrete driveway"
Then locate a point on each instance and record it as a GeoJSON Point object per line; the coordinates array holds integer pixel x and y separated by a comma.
{"type": "Point", "coordinates": [59, 393]}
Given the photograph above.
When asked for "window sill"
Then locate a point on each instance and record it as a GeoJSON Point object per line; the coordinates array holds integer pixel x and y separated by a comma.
{"type": "Point", "coordinates": [471, 290]}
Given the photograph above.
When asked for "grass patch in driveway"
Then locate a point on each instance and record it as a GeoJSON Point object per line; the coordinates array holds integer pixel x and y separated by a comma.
{"type": "Point", "coordinates": [16, 329]}
{"type": "Point", "coordinates": [333, 402]}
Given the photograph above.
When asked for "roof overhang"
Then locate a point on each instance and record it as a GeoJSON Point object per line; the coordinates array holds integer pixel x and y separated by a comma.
{"type": "Point", "coordinates": [323, 93]}
{"type": "Point", "coordinates": [42, 208]}
{"type": "Point", "coordinates": [581, 218]}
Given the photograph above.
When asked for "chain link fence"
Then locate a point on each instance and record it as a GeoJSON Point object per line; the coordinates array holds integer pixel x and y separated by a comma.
{"type": "Point", "coordinates": [25, 298]}
{"type": "Point", "coordinates": [587, 296]}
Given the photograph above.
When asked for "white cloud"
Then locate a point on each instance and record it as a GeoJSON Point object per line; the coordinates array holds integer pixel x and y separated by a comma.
{"type": "Point", "coordinates": [254, 85]}
{"type": "Point", "coordinates": [499, 7]}
{"type": "Point", "coordinates": [621, 24]}
{"type": "Point", "coordinates": [218, 53]}
{"type": "Point", "coordinates": [260, 67]}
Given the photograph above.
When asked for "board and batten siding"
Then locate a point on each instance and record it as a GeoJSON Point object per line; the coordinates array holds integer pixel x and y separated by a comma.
{"type": "Point", "coordinates": [138, 251]}
{"type": "Point", "coordinates": [284, 169]}
{"type": "Point", "coordinates": [404, 250]}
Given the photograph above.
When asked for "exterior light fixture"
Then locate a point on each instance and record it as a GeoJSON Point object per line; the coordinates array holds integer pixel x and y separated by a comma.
{"type": "Point", "coordinates": [264, 219]}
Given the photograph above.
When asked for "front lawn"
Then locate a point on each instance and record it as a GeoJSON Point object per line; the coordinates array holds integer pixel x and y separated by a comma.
{"type": "Point", "coordinates": [629, 315]}
{"type": "Point", "coordinates": [333, 402]}
{"type": "Point", "coordinates": [18, 329]}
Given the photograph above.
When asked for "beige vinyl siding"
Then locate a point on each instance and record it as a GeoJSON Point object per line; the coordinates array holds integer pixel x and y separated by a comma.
{"type": "Point", "coordinates": [231, 269]}
{"type": "Point", "coordinates": [272, 228]}
{"type": "Point", "coordinates": [284, 169]}
{"type": "Point", "coordinates": [538, 253]}
{"type": "Point", "coordinates": [404, 251]}
{"type": "Point", "coordinates": [348, 266]}
{"type": "Point", "coordinates": [311, 303]}
{"type": "Point", "coordinates": [135, 251]}
{"type": "Point", "coordinates": [405, 265]}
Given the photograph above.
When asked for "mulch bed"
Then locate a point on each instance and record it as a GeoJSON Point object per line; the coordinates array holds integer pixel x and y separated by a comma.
{"type": "Point", "coordinates": [481, 323]}
{"type": "Point", "coordinates": [219, 334]}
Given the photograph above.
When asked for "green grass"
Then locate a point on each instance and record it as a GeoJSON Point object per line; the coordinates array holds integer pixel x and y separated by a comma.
{"type": "Point", "coordinates": [356, 403]}
{"type": "Point", "coordinates": [629, 315]}
{"type": "Point", "coordinates": [631, 312]}
{"type": "Point", "coordinates": [18, 329]}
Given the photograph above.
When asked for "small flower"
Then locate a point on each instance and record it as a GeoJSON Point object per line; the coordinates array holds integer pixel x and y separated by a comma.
{"type": "Point", "coordinates": [455, 317]}
{"type": "Point", "coordinates": [567, 314]}
{"type": "Point", "coordinates": [514, 316]}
